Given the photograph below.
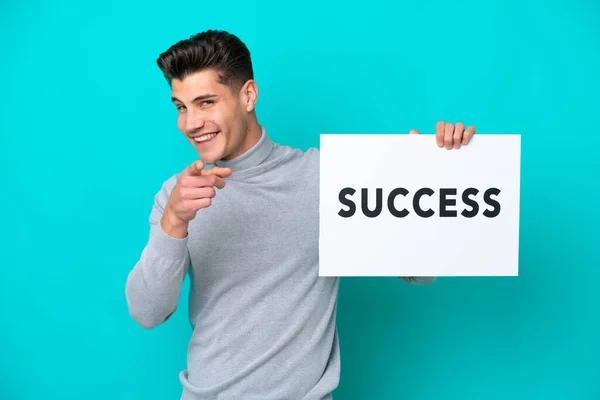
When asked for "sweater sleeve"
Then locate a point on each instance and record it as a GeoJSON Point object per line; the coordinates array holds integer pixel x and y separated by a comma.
{"type": "Point", "coordinates": [153, 286]}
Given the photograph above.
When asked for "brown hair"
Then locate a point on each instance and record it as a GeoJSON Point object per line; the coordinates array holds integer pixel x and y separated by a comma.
{"type": "Point", "coordinates": [211, 49]}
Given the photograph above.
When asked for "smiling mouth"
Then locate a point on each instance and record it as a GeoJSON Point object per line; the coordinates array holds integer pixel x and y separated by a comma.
{"type": "Point", "coordinates": [205, 138]}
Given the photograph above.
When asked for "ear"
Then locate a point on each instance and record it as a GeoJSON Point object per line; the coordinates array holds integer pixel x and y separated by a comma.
{"type": "Point", "coordinates": [249, 95]}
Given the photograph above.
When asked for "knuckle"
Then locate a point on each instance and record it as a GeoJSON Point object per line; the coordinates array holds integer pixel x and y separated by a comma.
{"type": "Point", "coordinates": [185, 180]}
{"type": "Point", "coordinates": [184, 193]}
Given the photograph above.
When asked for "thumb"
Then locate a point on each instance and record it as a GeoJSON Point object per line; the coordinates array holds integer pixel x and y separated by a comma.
{"type": "Point", "coordinates": [413, 132]}
{"type": "Point", "coordinates": [218, 171]}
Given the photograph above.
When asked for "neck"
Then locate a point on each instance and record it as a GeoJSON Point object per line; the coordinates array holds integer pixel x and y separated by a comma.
{"type": "Point", "coordinates": [253, 135]}
{"type": "Point", "coordinates": [257, 147]}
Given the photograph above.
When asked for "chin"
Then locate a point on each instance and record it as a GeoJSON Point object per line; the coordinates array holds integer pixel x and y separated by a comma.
{"type": "Point", "coordinates": [209, 153]}
{"type": "Point", "coordinates": [208, 157]}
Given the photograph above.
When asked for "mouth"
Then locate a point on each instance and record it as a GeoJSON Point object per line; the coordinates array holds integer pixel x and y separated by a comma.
{"type": "Point", "coordinates": [205, 139]}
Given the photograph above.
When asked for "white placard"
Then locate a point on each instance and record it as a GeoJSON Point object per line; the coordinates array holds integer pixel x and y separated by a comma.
{"type": "Point", "coordinates": [466, 220]}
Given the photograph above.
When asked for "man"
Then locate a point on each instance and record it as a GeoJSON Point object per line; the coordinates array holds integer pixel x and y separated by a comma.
{"type": "Point", "coordinates": [246, 231]}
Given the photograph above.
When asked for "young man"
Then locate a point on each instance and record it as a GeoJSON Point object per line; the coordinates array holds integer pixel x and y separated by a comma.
{"type": "Point", "coordinates": [246, 232]}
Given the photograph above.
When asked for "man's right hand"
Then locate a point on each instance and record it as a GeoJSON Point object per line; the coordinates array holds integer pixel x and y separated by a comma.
{"type": "Point", "coordinates": [193, 191]}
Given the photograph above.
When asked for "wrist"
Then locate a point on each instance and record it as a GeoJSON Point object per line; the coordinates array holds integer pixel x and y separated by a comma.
{"type": "Point", "coordinates": [173, 225]}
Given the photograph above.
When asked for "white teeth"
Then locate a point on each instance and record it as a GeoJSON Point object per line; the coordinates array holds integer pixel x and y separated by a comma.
{"type": "Point", "coordinates": [204, 138]}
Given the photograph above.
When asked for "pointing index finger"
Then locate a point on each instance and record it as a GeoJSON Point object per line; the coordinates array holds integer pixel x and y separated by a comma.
{"type": "Point", "coordinates": [196, 168]}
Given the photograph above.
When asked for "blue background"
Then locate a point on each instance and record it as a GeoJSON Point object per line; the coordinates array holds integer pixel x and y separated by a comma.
{"type": "Point", "coordinates": [88, 134]}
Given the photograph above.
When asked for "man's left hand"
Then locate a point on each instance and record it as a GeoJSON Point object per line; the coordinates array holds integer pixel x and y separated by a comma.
{"type": "Point", "coordinates": [451, 136]}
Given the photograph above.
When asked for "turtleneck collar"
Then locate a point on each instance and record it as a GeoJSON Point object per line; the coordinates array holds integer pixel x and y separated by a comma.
{"type": "Point", "coordinates": [251, 158]}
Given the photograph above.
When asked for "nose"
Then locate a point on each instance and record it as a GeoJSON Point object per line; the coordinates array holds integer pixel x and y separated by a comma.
{"type": "Point", "coordinates": [193, 122]}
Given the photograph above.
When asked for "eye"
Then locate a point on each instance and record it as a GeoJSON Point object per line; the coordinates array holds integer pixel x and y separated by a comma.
{"type": "Point", "coordinates": [180, 108]}
{"type": "Point", "coordinates": [208, 102]}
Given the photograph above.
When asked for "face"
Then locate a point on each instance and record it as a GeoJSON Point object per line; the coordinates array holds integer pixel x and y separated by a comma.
{"type": "Point", "coordinates": [212, 117]}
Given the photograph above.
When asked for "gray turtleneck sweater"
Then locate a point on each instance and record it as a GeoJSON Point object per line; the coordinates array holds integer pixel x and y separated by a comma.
{"type": "Point", "coordinates": [264, 322]}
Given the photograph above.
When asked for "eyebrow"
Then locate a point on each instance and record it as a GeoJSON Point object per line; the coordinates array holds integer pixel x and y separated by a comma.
{"type": "Point", "coordinates": [199, 98]}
